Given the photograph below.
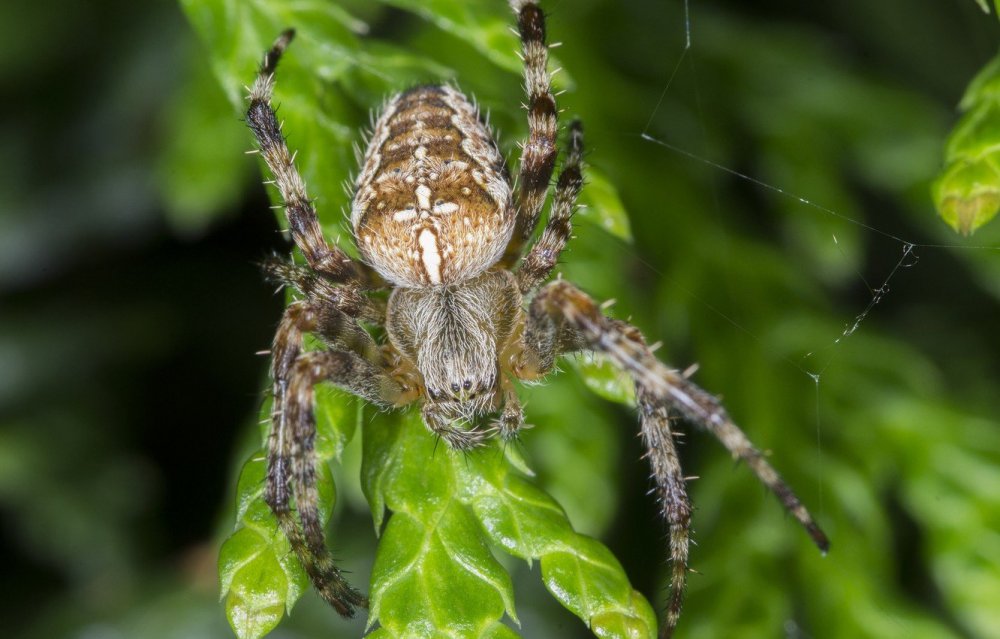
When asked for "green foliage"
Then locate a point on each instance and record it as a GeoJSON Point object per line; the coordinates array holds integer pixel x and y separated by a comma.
{"type": "Point", "coordinates": [455, 505]}
{"type": "Point", "coordinates": [447, 511]}
{"type": "Point", "coordinates": [434, 570]}
{"type": "Point", "coordinates": [967, 193]}
{"type": "Point", "coordinates": [604, 378]}
{"type": "Point", "coordinates": [197, 180]}
{"type": "Point", "coordinates": [893, 446]}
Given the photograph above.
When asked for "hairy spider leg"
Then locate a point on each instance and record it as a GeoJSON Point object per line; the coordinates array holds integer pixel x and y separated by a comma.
{"type": "Point", "coordinates": [671, 493]}
{"type": "Point", "coordinates": [291, 460]}
{"type": "Point", "coordinates": [358, 376]}
{"type": "Point", "coordinates": [302, 219]}
{"type": "Point", "coordinates": [537, 264]}
{"type": "Point", "coordinates": [538, 157]}
{"type": "Point", "coordinates": [347, 297]}
{"type": "Point", "coordinates": [560, 308]}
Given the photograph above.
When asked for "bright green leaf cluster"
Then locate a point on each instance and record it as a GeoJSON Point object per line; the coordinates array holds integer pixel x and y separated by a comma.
{"type": "Point", "coordinates": [434, 571]}
{"type": "Point", "coordinates": [448, 508]}
{"type": "Point", "coordinates": [967, 193]}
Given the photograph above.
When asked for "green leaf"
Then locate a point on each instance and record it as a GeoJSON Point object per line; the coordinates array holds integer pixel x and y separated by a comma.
{"type": "Point", "coordinates": [203, 168]}
{"type": "Point", "coordinates": [337, 417]}
{"type": "Point", "coordinates": [434, 570]}
{"type": "Point", "coordinates": [255, 585]}
{"type": "Point", "coordinates": [602, 205]}
{"type": "Point", "coordinates": [258, 576]}
{"type": "Point", "coordinates": [438, 575]}
{"type": "Point", "coordinates": [967, 193]}
{"type": "Point", "coordinates": [522, 519]}
{"type": "Point", "coordinates": [589, 581]}
{"type": "Point", "coordinates": [604, 378]}
{"type": "Point", "coordinates": [484, 25]}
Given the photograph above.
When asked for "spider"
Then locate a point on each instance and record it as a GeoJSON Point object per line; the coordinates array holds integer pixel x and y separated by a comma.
{"type": "Point", "coordinates": [439, 222]}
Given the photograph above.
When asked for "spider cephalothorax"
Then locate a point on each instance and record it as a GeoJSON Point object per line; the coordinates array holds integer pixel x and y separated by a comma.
{"type": "Point", "coordinates": [437, 216]}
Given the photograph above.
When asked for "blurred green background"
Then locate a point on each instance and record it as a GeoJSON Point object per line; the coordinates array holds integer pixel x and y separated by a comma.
{"type": "Point", "coordinates": [130, 308]}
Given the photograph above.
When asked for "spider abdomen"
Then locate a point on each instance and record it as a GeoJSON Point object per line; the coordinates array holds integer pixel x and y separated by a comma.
{"type": "Point", "coordinates": [433, 203]}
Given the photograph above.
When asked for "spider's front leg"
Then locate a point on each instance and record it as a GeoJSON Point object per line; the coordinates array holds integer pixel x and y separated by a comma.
{"type": "Point", "coordinates": [563, 319]}
{"type": "Point", "coordinates": [291, 459]}
{"type": "Point", "coordinates": [302, 219]}
{"type": "Point", "coordinates": [538, 157]}
{"type": "Point", "coordinates": [348, 297]}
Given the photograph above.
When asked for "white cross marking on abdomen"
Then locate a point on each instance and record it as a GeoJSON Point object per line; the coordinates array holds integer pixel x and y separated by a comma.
{"type": "Point", "coordinates": [429, 255]}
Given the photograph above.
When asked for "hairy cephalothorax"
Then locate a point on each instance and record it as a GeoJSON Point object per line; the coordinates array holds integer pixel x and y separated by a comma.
{"type": "Point", "coordinates": [437, 218]}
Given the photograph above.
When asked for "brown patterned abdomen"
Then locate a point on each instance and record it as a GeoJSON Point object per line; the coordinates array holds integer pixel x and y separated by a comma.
{"type": "Point", "coordinates": [433, 202]}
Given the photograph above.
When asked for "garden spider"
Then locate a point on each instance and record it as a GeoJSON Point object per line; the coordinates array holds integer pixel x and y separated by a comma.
{"type": "Point", "coordinates": [438, 220]}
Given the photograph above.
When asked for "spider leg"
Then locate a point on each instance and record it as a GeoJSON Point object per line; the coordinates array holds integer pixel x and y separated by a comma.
{"type": "Point", "coordinates": [291, 460]}
{"type": "Point", "coordinates": [302, 219]}
{"type": "Point", "coordinates": [671, 492]}
{"type": "Point", "coordinates": [561, 314]}
{"type": "Point", "coordinates": [354, 374]}
{"type": "Point", "coordinates": [543, 255]}
{"type": "Point", "coordinates": [347, 297]}
{"type": "Point", "coordinates": [539, 154]}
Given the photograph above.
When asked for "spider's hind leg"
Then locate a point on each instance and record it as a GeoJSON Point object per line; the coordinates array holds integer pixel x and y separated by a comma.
{"type": "Point", "coordinates": [671, 492]}
{"type": "Point", "coordinates": [562, 318]}
{"type": "Point", "coordinates": [291, 459]}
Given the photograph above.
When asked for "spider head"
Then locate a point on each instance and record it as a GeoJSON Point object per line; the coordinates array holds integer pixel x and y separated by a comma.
{"type": "Point", "coordinates": [465, 378]}
{"type": "Point", "coordinates": [454, 334]}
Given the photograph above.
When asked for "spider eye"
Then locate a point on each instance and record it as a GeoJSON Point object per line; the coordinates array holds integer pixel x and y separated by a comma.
{"type": "Point", "coordinates": [434, 393]}
{"type": "Point", "coordinates": [467, 384]}
{"type": "Point", "coordinates": [454, 387]}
